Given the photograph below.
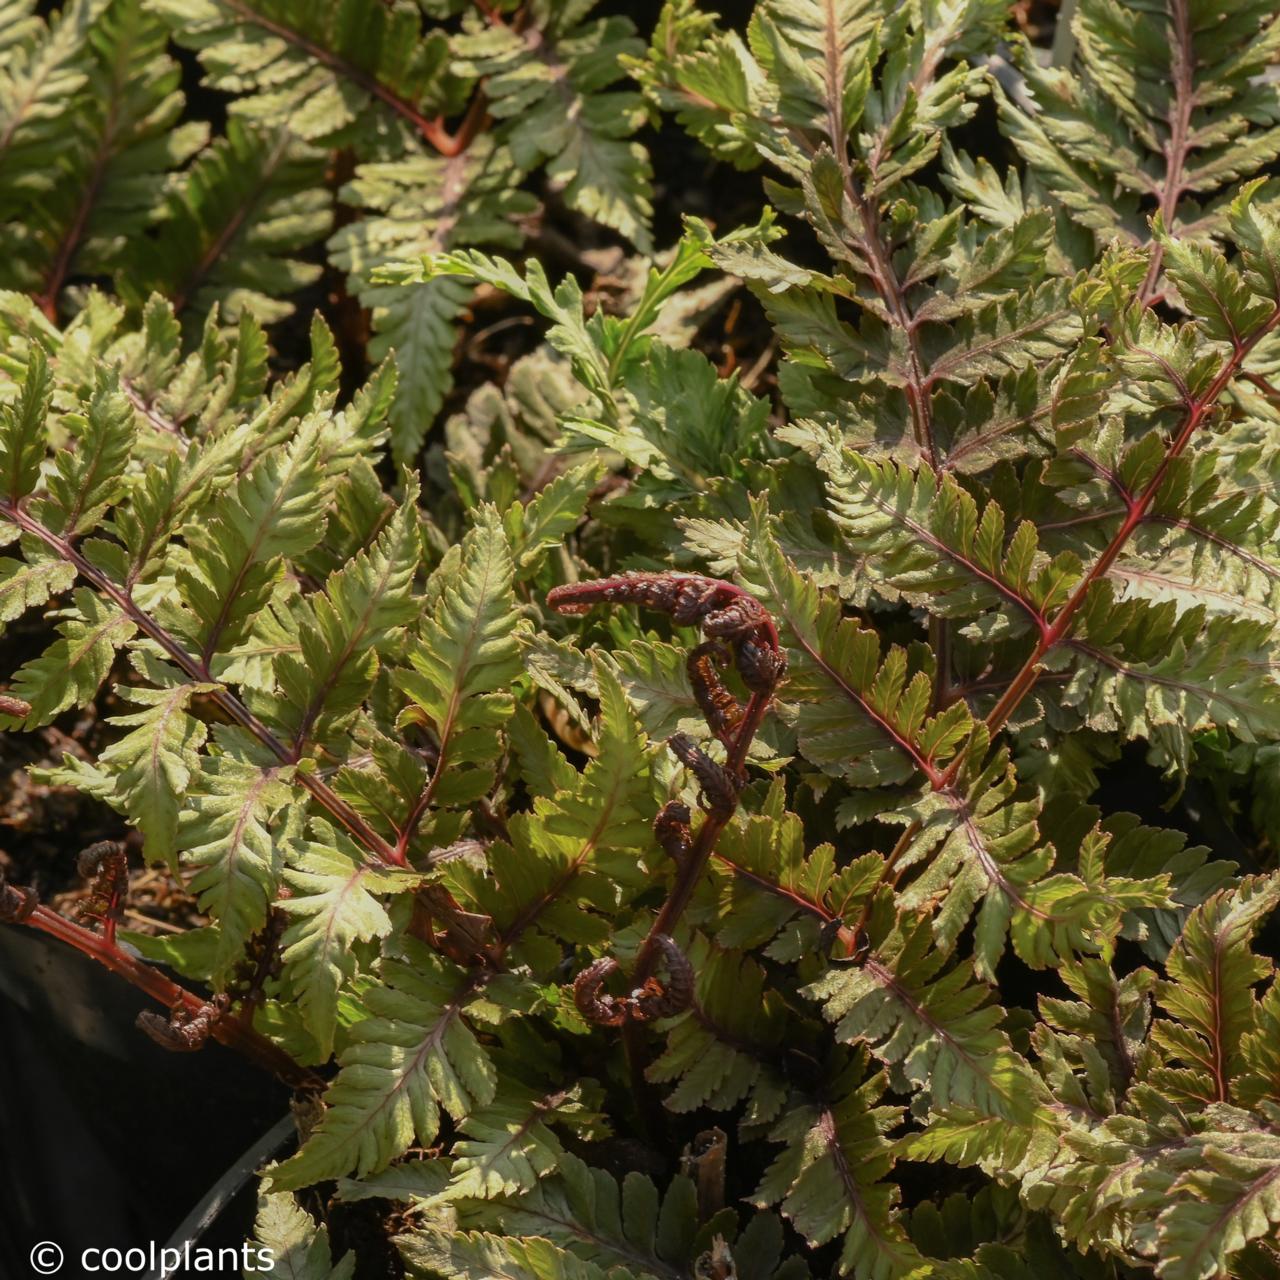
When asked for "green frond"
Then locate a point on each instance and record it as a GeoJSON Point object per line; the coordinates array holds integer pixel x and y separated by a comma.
{"type": "Point", "coordinates": [154, 763]}
{"type": "Point", "coordinates": [123, 141]}
{"type": "Point", "coordinates": [555, 92]}
{"type": "Point", "coordinates": [461, 1255]}
{"type": "Point", "coordinates": [226, 835]}
{"type": "Point", "coordinates": [89, 477]}
{"type": "Point", "coordinates": [829, 1179]}
{"type": "Point", "coordinates": [334, 904]}
{"type": "Point", "coordinates": [978, 843]}
{"type": "Point", "coordinates": [601, 350]}
{"type": "Point", "coordinates": [613, 1227]}
{"type": "Point", "coordinates": [234, 558]}
{"type": "Point", "coordinates": [1156, 1190]}
{"type": "Point", "coordinates": [232, 231]}
{"type": "Point", "coordinates": [337, 71]}
{"type": "Point", "coordinates": [684, 425]}
{"type": "Point", "coordinates": [508, 1147]}
{"type": "Point", "coordinates": [931, 1022]}
{"type": "Point", "coordinates": [1231, 1198]}
{"type": "Point", "coordinates": [727, 1048]}
{"type": "Point", "coordinates": [44, 65]}
{"type": "Point", "coordinates": [463, 661]}
{"type": "Point", "coordinates": [360, 613]}
{"type": "Point", "coordinates": [770, 874]}
{"type": "Point", "coordinates": [1100, 138]}
{"type": "Point", "coordinates": [547, 519]}
{"type": "Point", "coordinates": [925, 537]}
{"type": "Point", "coordinates": [707, 79]}
{"type": "Point", "coordinates": [71, 671]}
{"type": "Point", "coordinates": [410, 1056]}
{"type": "Point", "coordinates": [1139, 852]}
{"type": "Point", "coordinates": [1212, 971]}
{"type": "Point", "coordinates": [819, 58]}
{"type": "Point", "coordinates": [299, 1248]}
{"type": "Point", "coordinates": [571, 860]}
{"type": "Point", "coordinates": [23, 432]}
{"type": "Point", "coordinates": [1260, 1051]}
{"type": "Point", "coordinates": [31, 581]}
{"type": "Point", "coordinates": [423, 205]}
{"type": "Point", "coordinates": [1141, 669]}
{"type": "Point", "coordinates": [860, 716]}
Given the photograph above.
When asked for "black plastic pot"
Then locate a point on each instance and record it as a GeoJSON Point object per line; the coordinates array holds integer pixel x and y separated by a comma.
{"type": "Point", "coordinates": [107, 1140]}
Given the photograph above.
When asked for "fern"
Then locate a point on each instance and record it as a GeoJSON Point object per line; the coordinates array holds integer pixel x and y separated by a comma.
{"type": "Point", "coordinates": [225, 837]}
{"type": "Point", "coordinates": [295, 1242]}
{"type": "Point", "coordinates": [229, 230]}
{"type": "Point", "coordinates": [552, 87]}
{"type": "Point", "coordinates": [661, 745]}
{"type": "Point", "coordinates": [110, 187]}
{"type": "Point", "coordinates": [424, 204]}
{"type": "Point", "coordinates": [828, 1179]}
{"type": "Point", "coordinates": [341, 69]}
{"type": "Point", "coordinates": [409, 1057]}
{"type": "Point", "coordinates": [938, 1025]}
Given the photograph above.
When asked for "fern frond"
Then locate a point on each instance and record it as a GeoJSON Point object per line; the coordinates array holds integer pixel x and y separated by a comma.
{"type": "Point", "coordinates": [462, 664]}
{"type": "Point", "coordinates": [71, 671]}
{"type": "Point", "coordinates": [125, 142]}
{"type": "Point", "coordinates": [360, 613]}
{"type": "Point", "coordinates": [508, 1147]}
{"type": "Point", "coordinates": [1212, 971]}
{"type": "Point", "coordinates": [236, 553]}
{"type": "Point", "coordinates": [333, 72]}
{"type": "Point", "coordinates": [1260, 1050]}
{"type": "Point", "coordinates": [1139, 852]}
{"type": "Point", "coordinates": [980, 843]}
{"type": "Point", "coordinates": [409, 1057]}
{"type": "Point", "coordinates": [31, 581]}
{"type": "Point", "coordinates": [1160, 108]}
{"type": "Point", "coordinates": [937, 1027]}
{"type": "Point", "coordinates": [154, 763]}
{"type": "Point", "coordinates": [1231, 1198]}
{"type": "Point", "coordinates": [553, 89]}
{"type": "Point", "coordinates": [481, 1256]}
{"type": "Point", "coordinates": [829, 1180]}
{"type": "Point", "coordinates": [777, 892]}
{"type": "Point", "coordinates": [724, 1050]}
{"type": "Point", "coordinates": [333, 906]}
{"type": "Point", "coordinates": [424, 205]}
{"type": "Point", "coordinates": [298, 1247]}
{"type": "Point", "coordinates": [862, 718]}
{"type": "Point", "coordinates": [1140, 668]}
{"type": "Point", "coordinates": [583, 839]}
{"type": "Point", "coordinates": [546, 520]}
{"type": "Point", "coordinates": [924, 536]}
{"type": "Point", "coordinates": [89, 478]}
{"type": "Point", "coordinates": [44, 66]}
{"type": "Point", "coordinates": [225, 833]}
{"type": "Point", "coordinates": [23, 432]}
{"type": "Point", "coordinates": [612, 1227]}
{"type": "Point", "coordinates": [232, 230]}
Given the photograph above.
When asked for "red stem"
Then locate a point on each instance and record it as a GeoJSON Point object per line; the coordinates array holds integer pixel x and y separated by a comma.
{"type": "Point", "coordinates": [1060, 628]}
{"type": "Point", "coordinates": [198, 672]}
{"type": "Point", "coordinates": [148, 979]}
{"type": "Point", "coordinates": [694, 864]}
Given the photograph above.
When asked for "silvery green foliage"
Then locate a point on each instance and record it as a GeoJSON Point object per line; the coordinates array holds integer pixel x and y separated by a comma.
{"type": "Point", "coordinates": [104, 179]}
{"type": "Point", "coordinates": [1013, 512]}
